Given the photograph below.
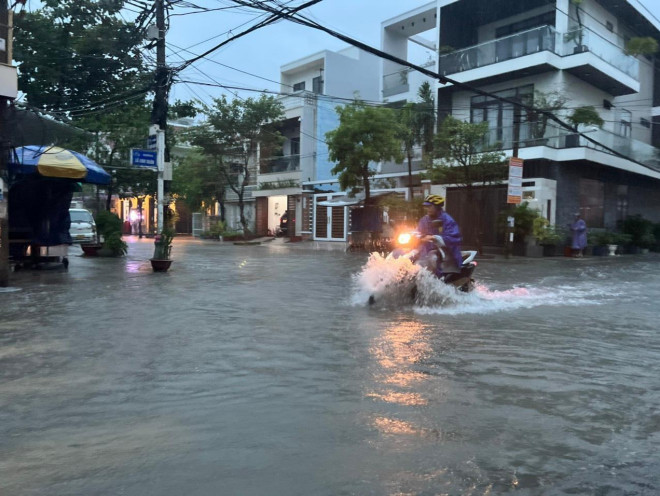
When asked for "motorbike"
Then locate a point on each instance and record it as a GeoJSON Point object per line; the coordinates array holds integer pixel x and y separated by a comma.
{"type": "Point", "coordinates": [409, 245]}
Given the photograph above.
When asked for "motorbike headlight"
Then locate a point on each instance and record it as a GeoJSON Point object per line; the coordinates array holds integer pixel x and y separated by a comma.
{"type": "Point", "coordinates": [404, 238]}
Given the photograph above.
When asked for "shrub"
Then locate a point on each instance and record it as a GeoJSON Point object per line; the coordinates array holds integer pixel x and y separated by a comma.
{"type": "Point", "coordinates": [545, 233]}
{"type": "Point", "coordinates": [108, 223]}
{"type": "Point", "coordinates": [115, 244]}
{"type": "Point", "coordinates": [640, 231]}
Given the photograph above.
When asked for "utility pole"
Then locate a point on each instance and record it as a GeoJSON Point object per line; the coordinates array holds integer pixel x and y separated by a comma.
{"type": "Point", "coordinates": [8, 91]}
{"type": "Point", "coordinates": [159, 112]}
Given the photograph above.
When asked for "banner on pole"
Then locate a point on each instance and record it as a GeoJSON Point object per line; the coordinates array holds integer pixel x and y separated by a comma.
{"type": "Point", "coordinates": [514, 194]}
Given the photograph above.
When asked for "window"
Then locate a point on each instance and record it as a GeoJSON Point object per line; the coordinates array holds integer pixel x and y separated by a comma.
{"type": "Point", "coordinates": [645, 122]}
{"type": "Point", "coordinates": [609, 26]}
{"type": "Point", "coordinates": [500, 115]}
{"type": "Point", "coordinates": [624, 123]}
{"type": "Point", "coordinates": [547, 19]}
{"type": "Point", "coordinates": [295, 146]}
{"type": "Point", "coordinates": [299, 86]}
{"type": "Point", "coordinates": [317, 84]}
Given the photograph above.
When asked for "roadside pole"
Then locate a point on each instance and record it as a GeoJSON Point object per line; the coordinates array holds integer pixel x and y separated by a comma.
{"type": "Point", "coordinates": [512, 197]}
{"type": "Point", "coordinates": [8, 90]}
{"type": "Point", "coordinates": [4, 204]}
{"type": "Point", "coordinates": [159, 112]}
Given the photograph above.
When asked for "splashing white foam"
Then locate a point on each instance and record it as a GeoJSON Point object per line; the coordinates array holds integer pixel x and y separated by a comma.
{"type": "Point", "coordinates": [399, 283]}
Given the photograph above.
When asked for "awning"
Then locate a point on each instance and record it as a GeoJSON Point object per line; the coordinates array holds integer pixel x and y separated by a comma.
{"type": "Point", "coordinates": [53, 161]}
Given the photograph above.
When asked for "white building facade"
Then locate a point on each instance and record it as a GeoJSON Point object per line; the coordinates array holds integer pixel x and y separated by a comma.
{"type": "Point", "coordinates": [515, 48]}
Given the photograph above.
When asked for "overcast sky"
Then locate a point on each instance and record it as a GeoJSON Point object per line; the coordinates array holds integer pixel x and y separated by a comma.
{"type": "Point", "coordinates": [262, 52]}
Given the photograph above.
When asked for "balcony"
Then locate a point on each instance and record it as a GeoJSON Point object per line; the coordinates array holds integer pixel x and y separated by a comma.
{"type": "Point", "coordinates": [278, 165]}
{"type": "Point", "coordinates": [511, 47]}
{"type": "Point", "coordinates": [559, 138]}
{"type": "Point", "coordinates": [582, 53]}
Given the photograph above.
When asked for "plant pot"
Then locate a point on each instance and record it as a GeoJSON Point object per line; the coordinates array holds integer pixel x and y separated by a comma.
{"type": "Point", "coordinates": [91, 250]}
{"type": "Point", "coordinates": [160, 265]}
{"type": "Point", "coordinates": [581, 49]}
{"type": "Point", "coordinates": [600, 251]}
{"type": "Point", "coordinates": [550, 250]}
{"type": "Point", "coordinates": [572, 140]}
{"type": "Point", "coordinates": [612, 250]}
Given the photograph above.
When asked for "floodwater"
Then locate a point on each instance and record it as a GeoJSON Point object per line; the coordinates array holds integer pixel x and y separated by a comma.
{"type": "Point", "coordinates": [260, 370]}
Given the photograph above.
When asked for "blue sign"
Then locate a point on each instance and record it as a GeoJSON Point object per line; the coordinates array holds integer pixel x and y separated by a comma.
{"type": "Point", "coordinates": [144, 158]}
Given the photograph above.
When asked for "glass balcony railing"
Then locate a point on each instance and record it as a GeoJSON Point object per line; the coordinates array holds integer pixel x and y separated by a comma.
{"type": "Point", "coordinates": [289, 163]}
{"type": "Point", "coordinates": [559, 137]}
{"type": "Point", "coordinates": [583, 40]}
{"type": "Point", "coordinates": [507, 48]}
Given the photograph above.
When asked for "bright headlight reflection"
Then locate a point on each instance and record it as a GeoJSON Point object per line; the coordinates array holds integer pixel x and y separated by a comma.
{"type": "Point", "coordinates": [404, 238]}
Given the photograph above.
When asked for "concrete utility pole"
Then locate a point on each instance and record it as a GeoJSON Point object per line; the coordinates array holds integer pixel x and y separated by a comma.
{"type": "Point", "coordinates": [159, 112]}
{"type": "Point", "coordinates": [8, 91]}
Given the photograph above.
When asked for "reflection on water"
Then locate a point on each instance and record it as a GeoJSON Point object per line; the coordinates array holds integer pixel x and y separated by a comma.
{"type": "Point", "coordinates": [259, 370]}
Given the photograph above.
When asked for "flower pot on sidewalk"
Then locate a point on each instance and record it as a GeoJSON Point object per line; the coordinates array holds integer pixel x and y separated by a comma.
{"type": "Point", "coordinates": [160, 265]}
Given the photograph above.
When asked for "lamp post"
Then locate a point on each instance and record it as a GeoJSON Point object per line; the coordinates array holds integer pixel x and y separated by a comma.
{"type": "Point", "coordinates": [140, 199]}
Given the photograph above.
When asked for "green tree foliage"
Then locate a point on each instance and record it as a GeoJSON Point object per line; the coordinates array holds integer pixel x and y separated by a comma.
{"type": "Point", "coordinates": [462, 159]}
{"type": "Point", "coordinates": [198, 182]}
{"type": "Point", "coordinates": [365, 134]}
{"type": "Point", "coordinates": [416, 120]}
{"type": "Point", "coordinates": [72, 53]}
{"type": "Point", "coordinates": [231, 136]}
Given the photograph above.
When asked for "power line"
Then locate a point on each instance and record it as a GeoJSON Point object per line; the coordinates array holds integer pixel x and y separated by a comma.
{"type": "Point", "coordinates": [290, 15]}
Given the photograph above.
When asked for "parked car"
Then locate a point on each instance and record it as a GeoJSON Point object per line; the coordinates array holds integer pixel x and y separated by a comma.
{"type": "Point", "coordinates": [83, 227]}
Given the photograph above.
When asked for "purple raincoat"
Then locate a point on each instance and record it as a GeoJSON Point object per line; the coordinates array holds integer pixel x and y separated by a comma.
{"type": "Point", "coordinates": [450, 235]}
{"type": "Point", "coordinates": [579, 229]}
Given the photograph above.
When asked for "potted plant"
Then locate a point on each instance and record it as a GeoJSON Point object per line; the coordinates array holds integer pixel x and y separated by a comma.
{"type": "Point", "coordinates": [161, 260]}
{"type": "Point", "coordinates": [540, 106]}
{"type": "Point", "coordinates": [547, 236]}
{"type": "Point", "coordinates": [641, 45]}
{"type": "Point", "coordinates": [577, 35]}
{"type": "Point", "coordinates": [640, 231]}
{"type": "Point", "coordinates": [109, 228]}
{"type": "Point", "coordinates": [585, 116]}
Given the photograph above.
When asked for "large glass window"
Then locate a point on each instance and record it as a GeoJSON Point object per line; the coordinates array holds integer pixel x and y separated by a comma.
{"type": "Point", "coordinates": [500, 115]}
{"type": "Point", "coordinates": [299, 86]}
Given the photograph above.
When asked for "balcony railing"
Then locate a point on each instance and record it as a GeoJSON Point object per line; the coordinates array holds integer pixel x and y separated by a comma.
{"type": "Point", "coordinates": [559, 137]}
{"type": "Point", "coordinates": [537, 40]}
{"type": "Point", "coordinates": [583, 40]}
{"type": "Point", "coordinates": [397, 82]}
{"type": "Point", "coordinates": [289, 163]}
{"type": "Point", "coordinates": [491, 52]}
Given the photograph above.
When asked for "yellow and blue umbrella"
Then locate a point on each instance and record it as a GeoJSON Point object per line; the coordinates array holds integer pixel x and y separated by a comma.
{"type": "Point", "coordinates": [53, 161]}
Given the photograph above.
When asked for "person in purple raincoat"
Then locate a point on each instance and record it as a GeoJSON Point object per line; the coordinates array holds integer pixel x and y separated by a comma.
{"type": "Point", "coordinates": [439, 229]}
{"type": "Point", "coordinates": [579, 230]}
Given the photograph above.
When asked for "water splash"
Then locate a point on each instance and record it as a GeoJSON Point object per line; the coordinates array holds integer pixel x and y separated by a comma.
{"type": "Point", "coordinates": [399, 283]}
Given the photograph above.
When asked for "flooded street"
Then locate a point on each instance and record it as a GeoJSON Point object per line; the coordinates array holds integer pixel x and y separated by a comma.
{"type": "Point", "coordinates": [261, 370]}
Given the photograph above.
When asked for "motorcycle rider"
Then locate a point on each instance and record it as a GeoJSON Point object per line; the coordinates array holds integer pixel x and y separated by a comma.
{"type": "Point", "coordinates": [440, 232]}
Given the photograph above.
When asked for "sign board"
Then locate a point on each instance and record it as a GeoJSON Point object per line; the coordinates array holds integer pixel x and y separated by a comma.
{"type": "Point", "coordinates": [152, 142]}
{"type": "Point", "coordinates": [144, 158]}
{"type": "Point", "coordinates": [514, 194]}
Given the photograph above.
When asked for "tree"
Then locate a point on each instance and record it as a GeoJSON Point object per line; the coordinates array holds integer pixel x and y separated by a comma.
{"type": "Point", "coordinates": [197, 181]}
{"type": "Point", "coordinates": [73, 53]}
{"type": "Point", "coordinates": [365, 134]}
{"type": "Point", "coordinates": [232, 135]}
{"type": "Point", "coordinates": [459, 146]}
{"type": "Point", "coordinates": [416, 120]}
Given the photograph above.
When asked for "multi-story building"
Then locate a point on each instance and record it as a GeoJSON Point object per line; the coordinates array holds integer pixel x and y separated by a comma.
{"type": "Point", "coordinates": [293, 180]}
{"type": "Point", "coordinates": [516, 49]}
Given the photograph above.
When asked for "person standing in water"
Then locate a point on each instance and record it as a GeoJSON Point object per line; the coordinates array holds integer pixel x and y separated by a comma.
{"type": "Point", "coordinates": [579, 232]}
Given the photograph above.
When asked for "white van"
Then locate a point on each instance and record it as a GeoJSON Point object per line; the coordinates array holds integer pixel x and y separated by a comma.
{"type": "Point", "coordinates": [83, 227]}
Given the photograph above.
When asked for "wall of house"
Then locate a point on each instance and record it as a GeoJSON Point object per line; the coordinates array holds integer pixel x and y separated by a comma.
{"type": "Point", "coordinates": [364, 75]}
{"type": "Point", "coordinates": [233, 216]}
{"type": "Point", "coordinates": [487, 31]}
{"type": "Point", "coordinates": [306, 74]}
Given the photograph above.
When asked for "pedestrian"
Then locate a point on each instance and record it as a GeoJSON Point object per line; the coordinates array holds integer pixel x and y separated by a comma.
{"type": "Point", "coordinates": [579, 230]}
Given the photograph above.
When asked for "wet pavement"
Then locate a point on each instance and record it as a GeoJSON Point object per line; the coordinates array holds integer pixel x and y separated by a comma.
{"type": "Point", "coordinates": [260, 370]}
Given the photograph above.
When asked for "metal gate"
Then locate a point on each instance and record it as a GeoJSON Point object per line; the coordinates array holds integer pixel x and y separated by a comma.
{"type": "Point", "coordinates": [329, 222]}
{"type": "Point", "coordinates": [197, 223]}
